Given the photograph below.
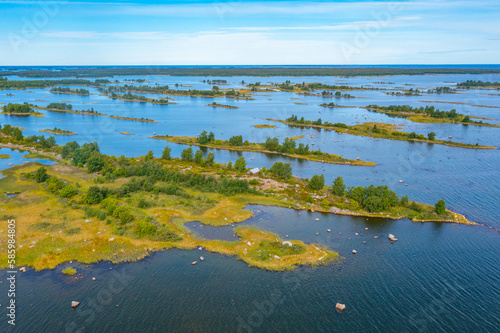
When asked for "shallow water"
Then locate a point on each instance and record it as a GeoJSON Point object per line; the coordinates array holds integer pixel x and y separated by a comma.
{"type": "Point", "coordinates": [434, 278]}
{"type": "Point", "coordinates": [437, 277]}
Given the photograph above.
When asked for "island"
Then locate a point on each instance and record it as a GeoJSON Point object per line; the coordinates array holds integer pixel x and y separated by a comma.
{"type": "Point", "coordinates": [264, 126]}
{"type": "Point", "coordinates": [428, 114]}
{"type": "Point", "coordinates": [375, 130]}
{"type": "Point", "coordinates": [69, 91]}
{"type": "Point", "coordinates": [58, 131]}
{"type": "Point", "coordinates": [271, 146]}
{"type": "Point", "coordinates": [128, 97]}
{"type": "Point", "coordinates": [68, 108]}
{"type": "Point", "coordinates": [91, 207]}
{"type": "Point", "coordinates": [216, 105]}
{"type": "Point", "coordinates": [16, 109]}
{"type": "Point", "coordinates": [145, 120]}
{"type": "Point", "coordinates": [333, 105]}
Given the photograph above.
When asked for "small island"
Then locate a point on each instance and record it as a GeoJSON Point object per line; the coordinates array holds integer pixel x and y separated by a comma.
{"type": "Point", "coordinates": [216, 105]}
{"type": "Point", "coordinates": [271, 146]}
{"type": "Point", "coordinates": [428, 114]}
{"type": "Point", "coordinates": [69, 91]}
{"type": "Point", "coordinates": [145, 120]}
{"type": "Point", "coordinates": [58, 131]}
{"type": "Point", "coordinates": [17, 109]}
{"type": "Point", "coordinates": [264, 126]}
{"type": "Point", "coordinates": [68, 108]}
{"type": "Point", "coordinates": [333, 105]}
{"type": "Point", "coordinates": [375, 130]}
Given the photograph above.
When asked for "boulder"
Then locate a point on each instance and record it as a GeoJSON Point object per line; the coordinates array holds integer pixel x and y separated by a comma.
{"type": "Point", "coordinates": [286, 243]}
{"type": "Point", "coordinates": [194, 263]}
{"type": "Point", "coordinates": [74, 304]}
{"type": "Point", "coordinates": [354, 251]}
{"type": "Point", "coordinates": [392, 238]}
{"type": "Point", "coordinates": [22, 269]}
{"type": "Point", "coordinates": [201, 258]}
{"type": "Point", "coordinates": [200, 248]}
{"type": "Point", "coordinates": [328, 230]}
{"type": "Point", "coordinates": [340, 307]}
{"type": "Point", "coordinates": [276, 257]}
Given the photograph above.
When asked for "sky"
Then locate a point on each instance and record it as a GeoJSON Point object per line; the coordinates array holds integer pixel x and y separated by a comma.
{"type": "Point", "coordinates": [195, 32]}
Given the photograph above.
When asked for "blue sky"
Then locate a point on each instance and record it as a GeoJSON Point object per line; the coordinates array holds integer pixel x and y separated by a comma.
{"type": "Point", "coordinates": [249, 32]}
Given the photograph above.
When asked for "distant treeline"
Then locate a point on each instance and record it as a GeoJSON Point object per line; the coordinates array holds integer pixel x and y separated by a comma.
{"type": "Point", "coordinates": [245, 71]}
{"type": "Point", "coordinates": [68, 90]}
{"type": "Point", "coordinates": [12, 84]}
{"type": "Point", "coordinates": [472, 83]}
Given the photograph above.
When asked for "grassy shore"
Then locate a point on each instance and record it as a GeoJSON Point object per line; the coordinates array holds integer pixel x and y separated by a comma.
{"type": "Point", "coordinates": [260, 148]}
{"type": "Point", "coordinates": [145, 120]}
{"type": "Point", "coordinates": [424, 118]}
{"type": "Point", "coordinates": [24, 114]}
{"type": "Point", "coordinates": [4, 156]}
{"type": "Point", "coordinates": [82, 112]}
{"type": "Point", "coordinates": [380, 131]}
{"type": "Point", "coordinates": [216, 105]}
{"type": "Point", "coordinates": [56, 230]}
{"type": "Point", "coordinates": [264, 126]}
{"type": "Point", "coordinates": [58, 131]}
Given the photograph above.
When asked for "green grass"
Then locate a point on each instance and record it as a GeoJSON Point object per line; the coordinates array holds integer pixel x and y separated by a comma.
{"type": "Point", "coordinates": [69, 271]}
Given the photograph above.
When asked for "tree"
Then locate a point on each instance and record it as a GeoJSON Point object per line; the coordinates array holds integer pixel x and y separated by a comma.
{"type": "Point", "coordinates": [431, 136]}
{"type": "Point", "coordinates": [338, 187]}
{"type": "Point", "coordinates": [404, 200]}
{"type": "Point", "coordinates": [95, 162]}
{"type": "Point", "coordinates": [466, 119]}
{"type": "Point", "coordinates": [198, 157]}
{"type": "Point", "coordinates": [41, 175]}
{"type": "Point", "coordinates": [69, 148]}
{"type": "Point", "coordinates": [229, 165]}
{"type": "Point", "coordinates": [166, 153]}
{"type": "Point", "coordinates": [317, 182]}
{"type": "Point", "coordinates": [209, 159]}
{"type": "Point", "coordinates": [203, 138]}
{"type": "Point", "coordinates": [240, 164]}
{"type": "Point", "coordinates": [440, 207]}
{"type": "Point", "coordinates": [236, 140]}
{"type": "Point", "coordinates": [187, 154]}
{"type": "Point", "coordinates": [281, 170]}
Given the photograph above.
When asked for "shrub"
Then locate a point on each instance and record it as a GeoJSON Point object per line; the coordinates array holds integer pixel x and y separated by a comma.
{"type": "Point", "coordinates": [338, 187]}
{"type": "Point", "coordinates": [281, 170]}
{"type": "Point", "coordinates": [440, 207]}
{"type": "Point", "coordinates": [240, 164]}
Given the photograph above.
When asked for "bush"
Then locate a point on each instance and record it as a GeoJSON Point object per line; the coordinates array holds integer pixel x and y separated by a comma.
{"type": "Point", "coordinates": [95, 162]}
{"type": "Point", "coordinates": [317, 182]}
{"type": "Point", "coordinates": [198, 157]}
{"type": "Point", "coordinates": [69, 271]}
{"type": "Point", "coordinates": [40, 175]}
{"type": "Point", "coordinates": [94, 195]}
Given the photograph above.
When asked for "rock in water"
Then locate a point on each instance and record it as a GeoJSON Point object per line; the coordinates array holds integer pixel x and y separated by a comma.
{"type": "Point", "coordinates": [354, 251]}
{"type": "Point", "coordinates": [22, 269]}
{"type": "Point", "coordinates": [201, 258]}
{"type": "Point", "coordinates": [392, 238]}
{"type": "Point", "coordinates": [340, 307]}
{"type": "Point", "coordinates": [194, 263]}
{"type": "Point", "coordinates": [74, 304]}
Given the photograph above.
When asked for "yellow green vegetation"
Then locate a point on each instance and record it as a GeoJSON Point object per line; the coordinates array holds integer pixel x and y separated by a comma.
{"type": "Point", "coordinates": [126, 133]}
{"type": "Point", "coordinates": [376, 130]}
{"type": "Point", "coordinates": [264, 126]}
{"type": "Point", "coordinates": [429, 114]}
{"type": "Point", "coordinates": [58, 131]}
{"type": "Point", "coordinates": [89, 112]}
{"type": "Point", "coordinates": [4, 156]}
{"type": "Point", "coordinates": [69, 219]}
{"type": "Point", "coordinates": [69, 271]}
{"type": "Point", "coordinates": [269, 147]}
{"type": "Point", "coordinates": [15, 109]}
{"type": "Point", "coordinates": [216, 105]}
{"type": "Point", "coordinates": [135, 119]}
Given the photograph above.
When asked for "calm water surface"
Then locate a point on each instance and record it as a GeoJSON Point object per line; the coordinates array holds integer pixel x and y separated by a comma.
{"type": "Point", "coordinates": [436, 278]}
